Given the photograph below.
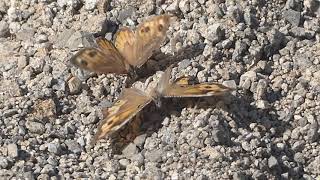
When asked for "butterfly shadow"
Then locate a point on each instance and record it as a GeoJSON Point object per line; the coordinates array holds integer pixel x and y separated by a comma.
{"type": "Point", "coordinates": [161, 61]}
{"type": "Point", "coordinates": [231, 111]}
{"type": "Point", "coordinates": [150, 120]}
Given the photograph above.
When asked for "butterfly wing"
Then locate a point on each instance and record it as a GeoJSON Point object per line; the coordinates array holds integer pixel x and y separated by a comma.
{"type": "Point", "coordinates": [138, 46]}
{"type": "Point", "coordinates": [106, 59]}
{"type": "Point", "coordinates": [197, 90]}
{"type": "Point", "coordinates": [125, 108]}
{"type": "Point", "coordinates": [181, 88]}
{"type": "Point", "coordinates": [149, 37]}
{"type": "Point", "coordinates": [125, 41]}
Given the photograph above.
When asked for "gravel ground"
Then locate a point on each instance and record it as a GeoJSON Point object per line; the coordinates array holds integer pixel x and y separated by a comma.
{"type": "Point", "coordinates": [267, 129]}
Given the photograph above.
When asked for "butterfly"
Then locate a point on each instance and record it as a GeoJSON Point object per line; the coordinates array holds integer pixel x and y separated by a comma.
{"type": "Point", "coordinates": [130, 49]}
{"type": "Point", "coordinates": [132, 100]}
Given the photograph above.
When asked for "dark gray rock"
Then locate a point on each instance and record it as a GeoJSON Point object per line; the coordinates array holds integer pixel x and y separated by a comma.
{"type": "Point", "coordinates": [292, 16]}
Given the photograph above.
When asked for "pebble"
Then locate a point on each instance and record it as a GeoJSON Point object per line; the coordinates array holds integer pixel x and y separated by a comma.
{"type": "Point", "coordinates": [4, 29]}
{"type": "Point", "coordinates": [130, 150]}
{"type": "Point", "coordinates": [140, 140]}
{"type": "Point", "coordinates": [3, 162]}
{"type": "Point", "coordinates": [35, 127]}
{"type": "Point", "coordinates": [73, 146]}
{"type": "Point", "coordinates": [272, 162]}
{"type": "Point", "coordinates": [154, 155]}
{"type": "Point", "coordinates": [74, 85]}
{"type": "Point", "coordinates": [54, 148]}
{"type": "Point", "coordinates": [214, 33]}
{"type": "Point", "coordinates": [12, 150]}
{"type": "Point", "coordinates": [292, 16]}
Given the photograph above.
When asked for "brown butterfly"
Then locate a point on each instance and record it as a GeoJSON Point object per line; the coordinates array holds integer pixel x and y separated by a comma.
{"type": "Point", "coordinates": [131, 48]}
{"type": "Point", "coordinates": [133, 100]}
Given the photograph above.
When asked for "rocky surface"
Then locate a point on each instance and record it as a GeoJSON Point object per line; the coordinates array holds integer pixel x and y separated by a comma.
{"type": "Point", "coordinates": [267, 129]}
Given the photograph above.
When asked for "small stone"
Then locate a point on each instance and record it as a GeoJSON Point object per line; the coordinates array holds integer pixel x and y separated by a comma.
{"type": "Point", "coordinates": [154, 155]}
{"type": "Point", "coordinates": [230, 83]}
{"type": "Point", "coordinates": [47, 169]}
{"type": "Point", "coordinates": [45, 109]}
{"type": "Point", "coordinates": [302, 33]}
{"type": "Point", "coordinates": [239, 176]}
{"type": "Point", "coordinates": [193, 37]}
{"type": "Point", "coordinates": [250, 19]}
{"type": "Point", "coordinates": [299, 158]}
{"type": "Point", "coordinates": [124, 162]}
{"type": "Point", "coordinates": [126, 13]}
{"type": "Point", "coordinates": [4, 29]}
{"type": "Point", "coordinates": [42, 38]}
{"type": "Point", "coordinates": [247, 79]}
{"type": "Point", "coordinates": [140, 140]}
{"type": "Point", "coordinates": [137, 159]}
{"type": "Point", "coordinates": [184, 6]}
{"type": "Point", "coordinates": [73, 146]}
{"type": "Point", "coordinates": [262, 104]}
{"type": "Point", "coordinates": [184, 64]}
{"type": "Point", "coordinates": [54, 148]}
{"type": "Point", "coordinates": [272, 162]}
{"type": "Point", "coordinates": [261, 89]}
{"type": "Point", "coordinates": [298, 146]}
{"type": "Point", "coordinates": [90, 5]}
{"type": "Point", "coordinates": [35, 127]}
{"type": "Point", "coordinates": [214, 33]}
{"type": "Point", "coordinates": [173, 7]}
{"type": "Point", "coordinates": [3, 162]}
{"type": "Point", "coordinates": [63, 38]}
{"type": "Point", "coordinates": [28, 175]}
{"type": "Point", "coordinates": [239, 51]}
{"type": "Point", "coordinates": [11, 88]}
{"type": "Point", "coordinates": [25, 34]}
{"type": "Point", "coordinates": [130, 150]}
{"type": "Point", "coordinates": [22, 62]}
{"type": "Point", "coordinates": [226, 44]}
{"type": "Point", "coordinates": [74, 85]}
{"type": "Point", "coordinates": [12, 150]}
{"type": "Point", "coordinates": [292, 16]}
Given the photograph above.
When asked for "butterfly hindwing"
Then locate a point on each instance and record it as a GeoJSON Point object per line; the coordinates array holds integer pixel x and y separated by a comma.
{"type": "Point", "coordinates": [181, 88]}
{"type": "Point", "coordinates": [125, 108]}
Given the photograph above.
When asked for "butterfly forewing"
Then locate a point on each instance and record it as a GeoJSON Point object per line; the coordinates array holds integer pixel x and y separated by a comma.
{"type": "Point", "coordinates": [128, 105]}
{"type": "Point", "coordinates": [107, 59]}
{"type": "Point", "coordinates": [138, 46]}
{"type": "Point", "coordinates": [149, 37]}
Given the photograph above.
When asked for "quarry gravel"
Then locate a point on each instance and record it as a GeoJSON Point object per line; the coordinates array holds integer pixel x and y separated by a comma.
{"type": "Point", "coordinates": [266, 129]}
